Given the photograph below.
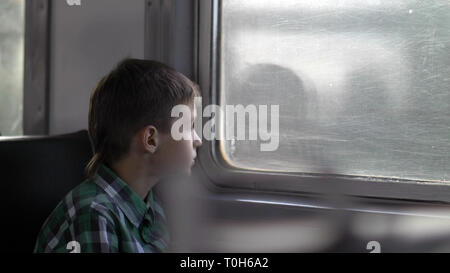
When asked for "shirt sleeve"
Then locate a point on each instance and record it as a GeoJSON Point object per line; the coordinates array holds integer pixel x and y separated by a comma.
{"type": "Point", "coordinates": [89, 233]}
{"type": "Point", "coordinates": [97, 236]}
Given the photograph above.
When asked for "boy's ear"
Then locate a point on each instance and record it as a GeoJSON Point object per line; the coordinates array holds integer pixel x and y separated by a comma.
{"type": "Point", "coordinates": [150, 138]}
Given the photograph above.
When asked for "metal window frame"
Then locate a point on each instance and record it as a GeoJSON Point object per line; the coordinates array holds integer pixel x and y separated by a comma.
{"type": "Point", "coordinates": [36, 70]}
{"type": "Point", "coordinates": [225, 177]}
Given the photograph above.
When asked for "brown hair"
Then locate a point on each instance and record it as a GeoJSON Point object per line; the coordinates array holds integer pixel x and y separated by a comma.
{"type": "Point", "coordinates": [134, 94]}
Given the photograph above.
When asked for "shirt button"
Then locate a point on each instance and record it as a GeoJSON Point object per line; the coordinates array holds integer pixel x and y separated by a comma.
{"type": "Point", "coordinates": [145, 231]}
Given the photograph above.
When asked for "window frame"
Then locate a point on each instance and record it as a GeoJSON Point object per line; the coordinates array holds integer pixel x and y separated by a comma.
{"type": "Point", "coordinates": [36, 67]}
{"type": "Point", "coordinates": [225, 177]}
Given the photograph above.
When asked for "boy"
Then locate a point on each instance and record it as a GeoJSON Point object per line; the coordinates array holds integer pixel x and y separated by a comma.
{"type": "Point", "coordinates": [129, 129]}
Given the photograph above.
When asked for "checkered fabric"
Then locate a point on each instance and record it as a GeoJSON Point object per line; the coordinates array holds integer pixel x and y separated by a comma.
{"type": "Point", "coordinates": [104, 214]}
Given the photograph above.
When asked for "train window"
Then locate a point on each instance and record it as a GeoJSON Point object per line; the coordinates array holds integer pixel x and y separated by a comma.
{"type": "Point", "coordinates": [11, 66]}
{"type": "Point", "coordinates": [362, 86]}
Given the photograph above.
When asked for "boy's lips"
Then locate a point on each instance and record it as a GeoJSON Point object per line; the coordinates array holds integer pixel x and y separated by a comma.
{"type": "Point", "coordinates": [193, 159]}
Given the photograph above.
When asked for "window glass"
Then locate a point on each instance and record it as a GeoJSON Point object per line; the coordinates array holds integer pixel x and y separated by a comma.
{"type": "Point", "coordinates": [363, 87]}
{"type": "Point", "coordinates": [11, 66]}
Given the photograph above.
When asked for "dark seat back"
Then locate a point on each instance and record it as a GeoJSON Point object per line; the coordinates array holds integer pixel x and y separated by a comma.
{"type": "Point", "coordinates": [36, 173]}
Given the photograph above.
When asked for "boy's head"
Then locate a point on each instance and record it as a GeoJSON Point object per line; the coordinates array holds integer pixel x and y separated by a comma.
{"type": "Point", "coordinates": [130, 111]}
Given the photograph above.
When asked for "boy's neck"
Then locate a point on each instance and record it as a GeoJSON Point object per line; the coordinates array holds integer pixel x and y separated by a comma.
{"type": "Point", "coordinates": [136, 174]}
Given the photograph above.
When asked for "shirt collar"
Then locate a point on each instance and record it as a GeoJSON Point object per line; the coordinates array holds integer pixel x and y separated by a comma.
{"type": "Point", "coordinates": [124, 197]}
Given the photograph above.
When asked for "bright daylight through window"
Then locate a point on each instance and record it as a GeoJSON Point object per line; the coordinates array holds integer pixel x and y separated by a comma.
{"type": "Point", "coordinates": [363, 87]}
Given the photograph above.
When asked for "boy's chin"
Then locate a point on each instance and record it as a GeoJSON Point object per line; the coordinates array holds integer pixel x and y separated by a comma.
{"type": "Point", "coordinates": [181, 172]}
{"type": "Point", "coordinates": [188, 171]}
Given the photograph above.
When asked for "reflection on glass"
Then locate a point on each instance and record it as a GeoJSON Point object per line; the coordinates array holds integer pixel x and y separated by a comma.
{"type": "Point", "coordinates": [363, 88]}
{"type": "Point", "coordinates": [11, 66]}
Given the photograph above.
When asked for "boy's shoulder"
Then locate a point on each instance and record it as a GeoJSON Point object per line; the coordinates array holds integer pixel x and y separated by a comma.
{"type": "Point", "coordinates": [84, 199]}
{"type": "Point", "coordinates": [80, 204]}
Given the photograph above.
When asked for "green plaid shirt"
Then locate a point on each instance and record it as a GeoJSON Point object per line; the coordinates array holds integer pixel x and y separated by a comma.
{"type": "Point", "coordinates": [103, 214]}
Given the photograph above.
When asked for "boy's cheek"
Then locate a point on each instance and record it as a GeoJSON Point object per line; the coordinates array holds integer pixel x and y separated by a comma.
{"type": "Point", "coordinates": [181, 155]}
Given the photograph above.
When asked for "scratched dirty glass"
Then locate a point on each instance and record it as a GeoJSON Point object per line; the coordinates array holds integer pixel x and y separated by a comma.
{"type": "Point", "coordinates": [11, 66]}
{"type": "Point", "coordinates": [363, 86]}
